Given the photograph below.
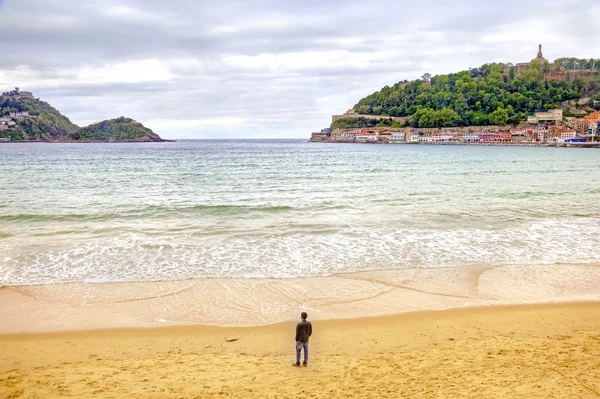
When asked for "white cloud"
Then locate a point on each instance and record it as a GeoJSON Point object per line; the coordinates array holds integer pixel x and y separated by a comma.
{"type": "Point", "coordinates": [242, 69]}
{"type": "Point", "coordinates": [134, 71]}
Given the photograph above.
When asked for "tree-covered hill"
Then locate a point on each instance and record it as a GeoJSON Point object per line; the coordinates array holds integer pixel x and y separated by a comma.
{"type": "Point", "coordinates": [44, 123]}
{"type": "Point", "coordinates": [493, 94]}
{"type": "Point", "coordinates": [118, 129]}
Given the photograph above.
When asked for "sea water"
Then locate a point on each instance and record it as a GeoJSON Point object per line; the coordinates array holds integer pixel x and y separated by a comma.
{"type": "Point", "coordinates": [284, 209]}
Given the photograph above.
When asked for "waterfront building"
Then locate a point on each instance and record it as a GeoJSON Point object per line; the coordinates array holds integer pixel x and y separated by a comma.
{"type": "Point", "coordinates": [505, 137]}
{"type": "Point", "coordinates": [593, 117]}
{"type": "Point", "coordinates": [385, 137]}
{"type": "Point", "coordinates": [499, 137]}
{"type": "Point", "coordinates": [371, 135]}
{"type": "Point", "coordinates": [580, 125]}
{"type": "Point", "coordinates": [324, 132]}
{"type": "Point", "coordinates": [441, 137]}
{"type": "Point", "coordinates": [540, 134]}
{"type": "Point", "coordinates": [568, 134]}
{"type": "Point", "coordinates": [530, 134]}
{"type": "Point", "coordinates": [545, 116]}
{"type": "Point", "coordinates": [413, 137]}
{"type": "Point", "coordinates": [555, 131]}
{"type": "Point", "coordinates": [518, 132]}
{"type": "Point", "coordinates": [398, 137]}
{"type": "Point", "coordinates": [486, 137]}
{"type": "Point", "coordinates": [593, 120]}
{"type": "Point", "coordinates": [347, 133]}
{"type": "Point", "coordinates": [470, 137]}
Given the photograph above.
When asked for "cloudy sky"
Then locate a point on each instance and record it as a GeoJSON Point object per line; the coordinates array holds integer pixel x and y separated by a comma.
{"type": "Point", "coordinates": [247, 69]}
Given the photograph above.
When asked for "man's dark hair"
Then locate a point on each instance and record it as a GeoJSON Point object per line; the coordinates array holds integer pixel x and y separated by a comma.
{"type": "Point", "coordinates": [304, 315]}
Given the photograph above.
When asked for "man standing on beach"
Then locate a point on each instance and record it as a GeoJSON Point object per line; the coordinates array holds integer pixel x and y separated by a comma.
{"type": "Point", "coordinates": [303, 332]}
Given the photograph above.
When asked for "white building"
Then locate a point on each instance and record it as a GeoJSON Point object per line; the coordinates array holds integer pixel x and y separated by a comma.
{"type": "Point", "coordinates": [568, 134]}
{"type": "Point", "coordinates": [366, 138]}
{"type": "Point", "coordinates": [546, 116]}
{"type": "Point", "coordinates": [441, 137]}
{"type": "Point", "coordinates": [413, 137]}
{"type": "Point", "coordinates": [470, 137]}
{"type": "Point", "coordinates": [398, 137]}
{"type": "Point", "coordinates": [19, 115]}
{"type": "Point", "coordinates": [540, 133]}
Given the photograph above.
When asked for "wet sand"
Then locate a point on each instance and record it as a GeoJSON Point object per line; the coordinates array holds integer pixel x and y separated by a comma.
{"type": "Point", "coordinates": [529, 351]}
{"type": "Point", "coordinates": [252, 302]}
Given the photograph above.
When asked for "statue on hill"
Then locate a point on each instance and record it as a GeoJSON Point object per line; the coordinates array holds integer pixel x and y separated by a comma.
{"type": "Point", "coordinates": [540, 56]}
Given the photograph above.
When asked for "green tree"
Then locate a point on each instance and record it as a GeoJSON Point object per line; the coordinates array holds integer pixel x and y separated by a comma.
{"type": "Point", "coordinates": [499, 116]}
{"type": "Point", "coordinates": [363, 109]}
{"type": "Point", "coordinates": [447, 117]}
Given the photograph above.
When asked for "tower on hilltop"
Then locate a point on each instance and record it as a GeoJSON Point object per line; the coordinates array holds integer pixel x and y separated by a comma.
{"type": "Point", "coordinates": [540, 56]}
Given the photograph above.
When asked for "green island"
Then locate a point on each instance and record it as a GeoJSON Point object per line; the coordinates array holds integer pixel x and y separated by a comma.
{"type": "Point", "coordinates": [25, 118]}
{"type": "Point", "coordinates": [492, 98]}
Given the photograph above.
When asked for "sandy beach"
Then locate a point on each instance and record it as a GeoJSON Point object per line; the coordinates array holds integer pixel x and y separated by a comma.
{"type": "Point", "coordinates": [530, 351]}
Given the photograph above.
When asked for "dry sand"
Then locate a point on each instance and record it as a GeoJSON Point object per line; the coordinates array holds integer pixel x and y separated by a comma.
{"type": "Point", "coordinates": [534, 351]}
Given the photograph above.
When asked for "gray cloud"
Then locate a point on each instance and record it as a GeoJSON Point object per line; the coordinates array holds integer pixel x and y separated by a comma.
{"type": "Point", "coordinates": [261, 68]}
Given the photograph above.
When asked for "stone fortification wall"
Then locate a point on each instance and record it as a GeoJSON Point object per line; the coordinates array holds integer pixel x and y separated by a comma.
{"type": "Point", "coordinates": [395, 118]}
{"type": "Point", "coordinates": [463, 129]}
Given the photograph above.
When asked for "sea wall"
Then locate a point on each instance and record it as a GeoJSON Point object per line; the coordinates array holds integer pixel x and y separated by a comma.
{"type": "Point", "coordinates": [354, 116]}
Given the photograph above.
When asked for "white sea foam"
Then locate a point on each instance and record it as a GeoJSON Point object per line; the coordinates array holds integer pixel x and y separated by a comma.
{"type": "Point", "coordinates": [140, 257]}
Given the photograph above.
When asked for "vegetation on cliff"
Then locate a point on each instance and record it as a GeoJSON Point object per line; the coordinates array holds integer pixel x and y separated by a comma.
{"type": "Point", "coordinates": [44, 121]}
{"type": "Point", "coordinates": [118, 129]}
{"type": "Point", "coordinates": [493, 94]}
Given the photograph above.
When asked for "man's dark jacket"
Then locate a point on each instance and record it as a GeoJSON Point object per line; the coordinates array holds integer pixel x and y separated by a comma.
{"type": "Point", "coordinates": [303, 331]}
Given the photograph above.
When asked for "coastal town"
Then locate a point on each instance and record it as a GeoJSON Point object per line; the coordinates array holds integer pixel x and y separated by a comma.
{"type": "Point", "coordinates": [544, 127]}
{"type": "Point", "coordinates": [576, 122]}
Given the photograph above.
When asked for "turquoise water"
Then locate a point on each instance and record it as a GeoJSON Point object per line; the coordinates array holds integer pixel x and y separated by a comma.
{"type": "Point", "coordinates": [284, 209]}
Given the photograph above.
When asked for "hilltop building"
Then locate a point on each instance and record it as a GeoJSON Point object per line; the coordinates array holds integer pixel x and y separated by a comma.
{"type": "Point", "coordinates": [539, 58]}
{"type": "Point", "coordinates": [18, 93]}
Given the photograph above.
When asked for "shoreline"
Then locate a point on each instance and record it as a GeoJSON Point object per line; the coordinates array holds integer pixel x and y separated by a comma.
{"type": "Point", "coordinates": [83, 142]}
{"type": "Point", "coordinates": [159, 329]}
{"type": "Point", "coordinates": [490, 143]}
{"type": "Point", "coordinates": [259, 302]}
{"type": "Point", "coordinates": [546, 350]}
